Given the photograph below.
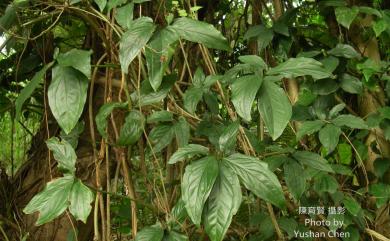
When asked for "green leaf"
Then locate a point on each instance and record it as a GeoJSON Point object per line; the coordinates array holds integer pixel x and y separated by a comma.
{"type": "Point", "coordinates": [67, 94]}
{"type": "Point", "coordinates": [350, 121]}
{"type": "Point", "coordinates": [178, 212]}
{"type": "Point", "coordinates": [336, 110]}
{"type": "Point", "coordinates": [329, 137]}
{"type": "Point", "coordinates": [198, 180]}
{"type": "Point", "coordinates": [160, 116]}
{"type": "Point", "coordinates": [295, 67]}
{"type": "Point", "coordinates": [369, 10]}
{"type": "Point", "coordinates": [101, 4]}
{"type": "Point", "coordinates": [244, 91]}
{"type": "Point", "coordinates": [345, 153]}
{"type": "Point", "coordinates": [175, 236]}
{"type": "Point", "coordinates": [124, 15]}
{"type": "Point", "coordinates": [188, 151]}
{"type": "Point", "coordinates": [29, 89]}
{"type": "Point", "coordinates": [257, 178]}
{"type": "Point", "coordinates": [200, 32]}
{"type": "Point", "coordinates": [224, 201]}
{"type": "Point", "coordinates": [78, 59]}
{"type": "Point", "coordinates": [182, 132]}
{"type": "Point", "coordinates": [151, 233]}
{"type": "Point", "coordinates": [228, 137]}
{"type": "Point", "coordinates": [104, 112]}
{"type": "Point", "coordinates": [295, 181]}
{"type": "Point", "coordinates": [52, 201]}
{"type": "Point", "coordinates": [262, 34]}
{"type": "Point", "coordinates": [81, 198]}
{"type": "Point", "coordinates": [149, 96]}
{"type": "Point", "coordinates": [73, 137]}
{"type": "Point", "coordinates": [114, 3]}
{"type": "Point", "coordinates": [281, 28]}
{"type": "Point", "coordinates": [313, 160]}
{"type": "Point", "coordinates": [133, 40]}
{"type": "Point", "coordinates": [379, 27]}
{"type": "Point", "coordinates": [275, 108]}
{"type": "Point", "coordinates": [158, 54]}
{"type": "Point", "coordinates": [346, 15]}
{"type": "Point", "coordinates": [161, 136]}
{"type": "Point", "coordinates": [253, 60]}
{"type": "Point", "coordinates": [191, 98]}
{"type": "Point", "coordinates": [325, 183]}
{"type": "Point", "coordinates": [351, 84]}
{"type": "Point", "coordinates": [64, 153]}
{"type": "Point", "coordinates": [132, 129]}
{"type": "Point", "coordinates": [381, 192]}
{"type": "Point", "coordinates": [352, 205]}
{"type": "Point", "coordinates": [309, 127]}
{"type": "Point", "coordinates": [344, 50]}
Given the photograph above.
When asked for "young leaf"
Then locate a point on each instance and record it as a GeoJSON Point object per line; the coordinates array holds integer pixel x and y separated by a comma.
{"type": "Point", "coordinates": [67, 94]}
{"type": "Point", "coordinates": [134, 40]}
{"type": "Point", "coordinates": [200, 32]}
{"type": "Point", "coordinates": [350, 121]}
{"type": "Point", "coordinates": [223, 203]}
{"type": "Point", "coordinates": [309, 127]}
{"type": "Point", "coordinates": [312, 160]}
{"type": "Point", "coordinates": [295, 181]}
{"type": "Point", "coordinates": [346, 15]}
{"type": "Point", "coordinates": [104, 112]}
{"type": "Point", "coordinates": [29, 89]}
{"type": "Point", "coordinates": [188, 151]}
{"type": "Point", "coordinates": [78, 59]}
{"type": "Point", "coordinates": [151, 233]}
{"type": "Point", "coordinates": [244, 91]}
{"type": "Point", "coordinates": [274, 107]}
{"type": "Point", "coordinates": [228, 136]}
{"type": "Point", "coordinates": [256, 177]}
{"type": "Point", "coordinates": [52, 201]}
{"type": "Point", "coordinates": [295, 67]}
{"type": "Point", "coordinates": [64, 153]}
{"type": "Point", "coordinates": [191, 98]}
{"type": "Point", "coordinates": [132, 129]}
{"type": "Point", "coordinates": [198, 180]}
{"type": "Point", "coordinates": [329, 137]}
{"type": "Point", "coordinates": [80, 199]}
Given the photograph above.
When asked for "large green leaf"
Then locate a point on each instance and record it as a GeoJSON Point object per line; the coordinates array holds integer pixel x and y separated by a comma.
{"type": "Point", "coordinates": [78, 59]}
{"type": "Point", "coordinates": [182, 132]}
{"type": "Point", "coordinates": [64, 153]}
{"type": "Point", "coordinates": [200, 32]}
{"type": "Point", "coordinates": [295, 181]}
{"type": "Point", "coordinates": [188, 151]}
{"type": "Point", "coordinates": [124, 15]}
{"type": "Point", "coordinates": [67, 94]}
{"type": "Point", "coordinates": [198, 180]}
{"type": "Point", "coordinates": [344, 50]}
{"type": "Point", "coordinates": [228, 136]}
{"type": "Point", "coordinates": [309, 127]}
{"type": "Point", "coordinates": [295, 67]}
{"type": "Point", "coordinates": [52, 201]}
{"type": "Point", "coordinates": [274, 107]}
{"type": "Point", "coordinates": [161, 136]}
{"type": "Point", "coordinates": [329, 137]}
{"type": "Point", "coordinates": [134, 39]}
{"type": "Point", "coordinates": [313, 160]}
{"type": "Point", "coordinates": [351, 84]}
{"type": "Point", "coordinates": [158, 54]}
{"type": "Point", "coordinates": [132, 129]}
{"type": "Point", "coordinates": [346, 15]}
{"type": "Point", "coordinates": [151, 233]}
{"type": "Point", "coordinates": [81, 198]}
{"type": "Point", "coordinates": [104, 112]}
{"type": "Point", "coordinates": [29, 89]}
{"type": "Point", "coordinates": [191, 98]}
{"type": "Point", "coordinates": [244, 91]}
{"type": "Point", "coordinates": [350, 121]}
{"type": "Point", "coordinates": [262, 34]}
{"type": "Point", "coordinates": [224, 201]}
{"type": "Point", "coordinates": [256, 177]}
{"type": "Point", "coordinates": [175, 236]}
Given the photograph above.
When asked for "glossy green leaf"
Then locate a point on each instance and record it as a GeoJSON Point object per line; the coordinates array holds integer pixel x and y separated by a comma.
{"type": "Point", "coordinates": [161, 136]}
{"type": "Point", "coordinates": [160, 116]}
{"type": "Point", "coordinates": [344, 50]}
{"type": "Point", "coordinates": [313, 160]}
{"type": "Point", "coordinates": [80, 199]}
{"type": "Point", "coordinates": [244, 91]}
{"type": "Point", "coordinates": [133, 40]}
{"type": "Point", "coordinates": [191, 98]}
{"type": "Point", "coordinates": [175, 236]}
{"type": "Point", "coordinates": [132, 129]}
{"type": "Point", "coordinates": [351, 84]}
{"type": "Point", "coordinates": [151, 233]}
{"type": "Point", "coordinates": [198, 180]}
{"type": "Point", "coordinates": [64, 153]}
{"type": "Point", "coordinates": [78, 59]}
{"type": "Point", "coordinates": [124, 15]}
{"type": "Point", "coordinates": [350, 121]}
{"type": "Point", "coordinates": [295, 67]}
{"type": "Point", "coordinates": [261, 34]}
{"type": "Point", "coordinates": [158, 54]}
{"type": "Point", "coordinates": [104, 112]}
{"type": "Point", "coordinates": [228, 136]}
{"type": "Point", "coordinates": [224, 201]}
{"type": "Point", "coordinates": [67, 94]}
{"type": "Point", "coordinates": [295, 181]}
{"type": "Point", "coordinates": [257, 178]}
{"type": "Point", "coordinates": [329, 137]}
{"type": "Point", "coordinates": [369, 10]}
{"type": "Point", "coordinates": [309, 127]}
{"type": "Point", "coordinates": [336, 110]}
{"type": "Point", "coordinates": [188, 151]}
{"type": "Point", "coordinates": [73, 137]}
{"type": "Point", "coordinates": [52, 201]}
{"type": "Point", "coordinates": [253, 60]}
{"type": "Point", "coordinates": [380, 26]}
{"type": "Point", "coordinates": [149, 96]}
{"type": "Point", "coordinates": [200, 32]}
{"type": "Point", "coordinates": [346, 15]}
{"type": "Point", "coordinates": [178, 212]}
{"type": "Point", "coordinates": [275, 108]}
{"type": "Point", "coordinates": [29, 90]}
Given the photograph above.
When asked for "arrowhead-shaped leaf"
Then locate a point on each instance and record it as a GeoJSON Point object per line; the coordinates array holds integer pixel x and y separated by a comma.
{"type": "Point", "coordinates": [346, 15]}
{"type": "Point", "coordinates": [64, 153]}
